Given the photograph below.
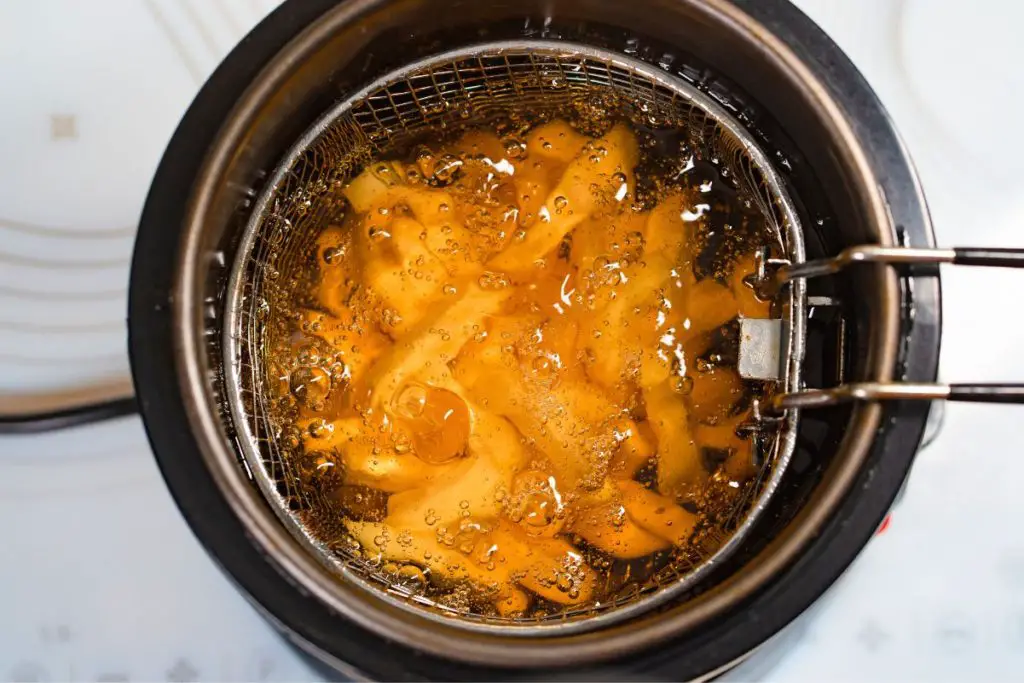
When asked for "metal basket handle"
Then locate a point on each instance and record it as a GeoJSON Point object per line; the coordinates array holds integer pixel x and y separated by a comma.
{"type": "Point", "coordinates": [782, 273]}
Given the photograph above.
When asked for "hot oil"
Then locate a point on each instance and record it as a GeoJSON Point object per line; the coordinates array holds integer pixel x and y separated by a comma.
{"type": "Point", "coordinates": [505, 380]}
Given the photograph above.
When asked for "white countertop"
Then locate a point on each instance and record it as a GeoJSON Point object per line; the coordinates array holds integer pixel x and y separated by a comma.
{"type": "Point", "coordinates": [100, 578]}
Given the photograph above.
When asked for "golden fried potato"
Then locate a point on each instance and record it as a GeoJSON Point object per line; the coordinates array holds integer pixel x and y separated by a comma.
{"type": "Point", "coordinates": [368, 190]}
{"type": "Point", "coordinates": [713, 393]}
{"type": "Point", "coordinates": [421, 546]}
{"type": "Point", "coordinates": [535, 502]}
{"type": "Point", "coordinates": [569, 421]}
{"type": "Point", "coordinates": [560, 343]}
{"type": "Point", "coordinates": [722, 436]}
{"type": "Point", "coordinates": [609, 528]}
{"type": "Point", "coordinates": [494, 555]}
{"type": "Point", "coordinates": [475, 486]}
{"type": "Point", "coordinates": [383, 202]}
{"type": "Point", "coordinates": [473, 482]}
{"type": "Point", "coordinates": [443, 228]}
{"type": "Point", "coordinates": [555, 141]}
{"type": "Point", "coordinates": [708, 305]}
{"type": "Point", "coordinates": [679, 462]}
{"type": "Point", "coordinates": [656, 514]}
{"type": "Point", "coordinates": [435, 341]}
{"type": "Point", "coordinates": [550, 567]}
{"type": "Point", "coordinates": [636, 448]}
{"type": "Point", "coordinates": [548, 292]}
{"type": "Point", "coordinates": [617, 334]}
{"type": "Point", "coordinates": [337, 269]}
{"type": "Point", "coordinates": [357, 345]}
{"type": "Point", "coordinates": [371, 458]}
{"type": "Point", "coordinates": [640, 315]}
{"type": "Point", "coordinates": [514, 603]}
{"type": "Point", "coordinates": [429, 206]}
{"type": "Point", "coordinates": [481, 169]}
{"type": "Point", "coordinates": [668, 234]}
{"type": "Point", "coordinates": [617, 239]}
{"type": "Point", "coordinates": [738, 448]}
{"type": "Point", "coordinates": [571, 424]}
{"type": "Point", "coordinates": [629, 521]}
{"type": "Point", "coordinates": [740, 466]}
{"type": "Point", "coordinates": [533, 184]}
{"type": "Point", "coordinates": [408, 288]}
{"type": "Point", "coordinates": [606, 163]}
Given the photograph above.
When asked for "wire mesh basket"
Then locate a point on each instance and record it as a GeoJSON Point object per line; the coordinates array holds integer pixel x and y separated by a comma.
{"type": "Point", "coordinates": [452, 91]}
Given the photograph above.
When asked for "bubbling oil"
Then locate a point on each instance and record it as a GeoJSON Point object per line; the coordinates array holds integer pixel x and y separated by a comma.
{"type": "Point", "coordinates": [507, 378]}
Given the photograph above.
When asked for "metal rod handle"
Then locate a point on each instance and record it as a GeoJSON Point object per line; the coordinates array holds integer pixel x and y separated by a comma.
{"type": "Point", "coordinates": [871, 253]}
{"type": "Point", "coordinates": [987, 393]}
{"type": "Point", "coordinates": [993, 258]}
{"type": "Point", "coordinates": [879, 391]}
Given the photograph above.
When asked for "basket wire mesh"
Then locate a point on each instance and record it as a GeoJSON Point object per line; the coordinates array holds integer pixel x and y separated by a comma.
{"type": "Point", "coordinates": [466, 86]}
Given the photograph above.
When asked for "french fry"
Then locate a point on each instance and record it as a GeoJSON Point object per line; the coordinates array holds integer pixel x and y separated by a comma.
{"type": "Point", "coordinates": [370, 458]}
{"type": "Point", "coordinates": [569, 422]}
{"type": "Point", "coordinates": [368, 190]}
{"type": "Point", "coordinates": [357, 345]}
{"type": "Point", "coordinates": [409, 287]}
{"type": "Point", "coordinates": [483, 171]}
{"type": "Point", "coordinates": [495, 558]}
{"type": "Point", "coordinates": [478, 367]}
{"type": "Point", "coordinates": [514, 603]}
{"type": "Point", "coordinates": [555, 141]}
{"type": "Point", "coordinates": [697, 307]}
{"type": "Point", "coordinates": [679, 463]}
{"type": "Point", "coordinates": [549, 567]}
{"type": "Point", "coordinates": [428, 206]}
{"type": "Point", "coordinates": [708, 305]}
{"type": "Point", "coordinates": [421, 546]}
{"type": "Point", "coordinates": [609, 528]}
{"type": "Point", "coordinates": [611, 236]}
{"type": "Point", "coordinates": [724, 437]}
{"type": "Point", "coordinates": [572, 200]}
{"type": "Point", "coordinates": [739, 466]}
{"type": "Point", "coordinates": [437, 339]}
{"type": "Point", "coordinates": [441, 227]}
{"type": "Point", "coordinates": [647, 310]}
{"type": "Point", "coordinates": [656, 514]}
{"type": "Point", "coordinates": [474, 486]}
{"type": "Point", "coordinates": [617, 335]}
{"type": "Point", "coordinates": [533, 184]}
{"type": "Point", "coordinates": [635, 451]}
{"type": "Point", "coordinates": [632, 521]}
{"type": "Point", "coordinates": [714, 393]}
{"type": "Point", "coordinates": [668, 234]}
{"type": "Point", "coordinates": [337, 277]}
{"type": "Point", "coordinates": [442, 500]}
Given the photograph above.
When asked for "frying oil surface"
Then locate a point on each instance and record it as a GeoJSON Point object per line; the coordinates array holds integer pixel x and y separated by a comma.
{"type": "Point", "coordinates": [508, 379]}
